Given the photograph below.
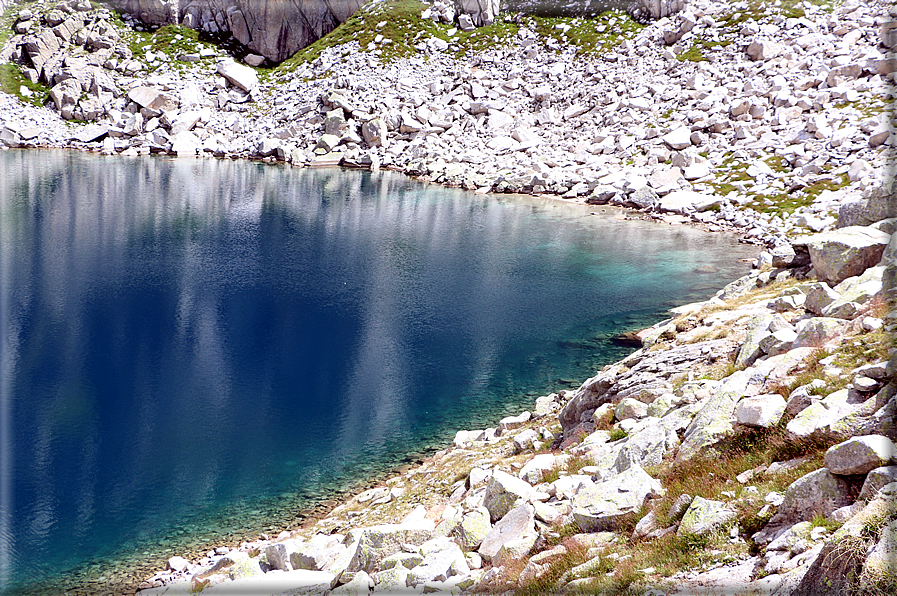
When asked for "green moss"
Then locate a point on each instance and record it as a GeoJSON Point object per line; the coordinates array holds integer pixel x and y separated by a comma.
{"type": "Point", "coordinates": [758, 10]}
{"type": "Point", "coordinates": [696, 52]}
{"type": "Point", "coordinates": [590, 36]}
{"type": "Point", "coordinates": [501, 32]}
{"type": "Point", "coordinates": [11, 81]}
{"type": "Point", "coordinates": [397, 21]}
{"type": "Point", "coordinates": [170, 40]}
{"type": "Point", "coordinates": [616, 434]}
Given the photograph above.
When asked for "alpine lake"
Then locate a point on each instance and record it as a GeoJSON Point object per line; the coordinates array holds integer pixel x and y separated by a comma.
{"type": "Point", "coordinates": [196, 351]}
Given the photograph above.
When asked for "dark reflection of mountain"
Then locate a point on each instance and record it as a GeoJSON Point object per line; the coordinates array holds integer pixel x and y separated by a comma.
{"type": "Point", "coordinates": [562, 8]}
{"type": "Point", "coordinates": [191, 341]}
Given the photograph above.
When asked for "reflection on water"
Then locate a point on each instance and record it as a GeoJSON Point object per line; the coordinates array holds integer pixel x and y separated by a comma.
{"type": "Point", "coordinates": [187, 343]}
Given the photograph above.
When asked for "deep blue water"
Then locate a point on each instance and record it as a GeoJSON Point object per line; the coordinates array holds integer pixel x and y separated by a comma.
{"type": "Point", "coordinates": [188, 344]}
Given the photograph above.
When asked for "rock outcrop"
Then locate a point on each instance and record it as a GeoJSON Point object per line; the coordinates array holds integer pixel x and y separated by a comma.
{"type": "Point", "coordinates": [275, 29]}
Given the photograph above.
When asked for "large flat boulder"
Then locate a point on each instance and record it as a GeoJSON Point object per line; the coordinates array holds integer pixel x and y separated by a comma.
{"type": "Point", "coordinates": [601, 506]}
{"type": "Point", "coordinates": [238, 75]}
{"type": "Point", "coordinates": [845, 252]}
{"type": "Point", "coordinates": [686, 201]}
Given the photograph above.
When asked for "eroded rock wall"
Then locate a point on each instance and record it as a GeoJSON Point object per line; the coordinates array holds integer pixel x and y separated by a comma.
{"type": "Point", "coordinates": [275, 29]}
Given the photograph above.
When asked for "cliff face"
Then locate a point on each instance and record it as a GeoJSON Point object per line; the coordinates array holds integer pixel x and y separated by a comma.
{"type": "Point", "coordinates": [275, 29]}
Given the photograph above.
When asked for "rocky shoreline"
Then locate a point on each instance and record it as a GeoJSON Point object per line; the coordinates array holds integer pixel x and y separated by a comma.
{"type": "Point", "coordinates": [781, 133]}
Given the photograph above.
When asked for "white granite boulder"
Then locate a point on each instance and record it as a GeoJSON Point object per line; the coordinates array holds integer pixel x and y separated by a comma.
{"type": "Point", "coordinates": [686, 201]}
{"type": "Point", "coordinates": [820, 414]}
{"type": "Point", "coordinates": [318, 554]}
{"type": "Point", "coordinates": [875, 480]}
{"type": "Point", "coordinates": [713, 421]}
{"type": "Point", "coordinates": [815, 332]}
{"type": "Point", "coordinates": [474, 527]}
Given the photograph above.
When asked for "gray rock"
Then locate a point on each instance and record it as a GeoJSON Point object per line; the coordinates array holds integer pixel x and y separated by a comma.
{"type": "Point", "coordinates": [441, 559]}
{"type": "Point", "coordinates": [713, 421]}
{"type": "Point", "coordinates": [875, 480]}
{"type": "Point", "coordinates": [630, 408]}
{"type": "Point", "coordinates": [374, 132]}
{"type": "Point", "coordinates": [240, 76]}
{"type": "Point", "coordinates": [512, 422]}
{"type": "Point", "coordinates": [763, 410]}
{"type": "Point", "coordinates": [335, 123]}
{"type": "Point", "coordinates": [679, 506]}
{"type": "Point", "coordinates": [819, 492]}
{"type": "Point", "coordinates": [503, 493]}
{"type": "Point", "coordinates": [318, 554]}
{"type": "Point", "coordinates": [517, 523]}
{"type": "Point", "coordinates": [845, 252]}
{"type": "Point", "coordinates": [652, 10]}
{"type": "Point", "coordinates": [819, 296]}
{"type": "Point", "coordinates": [642, 198]}
{"type": "Point", "coordinates": [278, 556]}
{"type": "Point", "coordinates": [763, 49]}
{"type": "Point", "coordinates": [90, 133]}
{"type": "Point", "coordinates": [185, 144]}
{"type": "Point", "coordinates": [757, 330]}
{"type": "Point", "coordinates": [599, 507]}
{"type": "Point", "coordinates": [473, 529]}
{"type": "Point", "coordinates": [859, 455]}
{"type": "Point", "coordinates": [817, 331]}
{"type": "Point", "coordinates": [854, 292]}
{"type": "Point", "coordinates": [373, 544]}
{"type": "Point", "coordinates": [687, 201]}
{"type": "Point", "coordinates": [679, 138]}
{"type": "Point", "coordinates": [704, 516]}
{"type": "Point", "coordinates": [820, 414]}
{"type": "Point", "coordinates": [645, 447]}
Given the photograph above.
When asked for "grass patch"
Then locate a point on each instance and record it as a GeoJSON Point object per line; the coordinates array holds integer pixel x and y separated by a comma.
{"type": "Point", "coordinates": [170, 41]}
{"type": "Point", "coordinates": [617, 433]}
{"type": "Point", "coordinates": [696, 52]}
{"type": "Point", "coordinates": [547, 583]}
{"type": "Point", "coordinates": [590, 35]}
{"type": "Point", "coordinates": [758, 10]}
{"type": "Point", "coordinates": [11, 81]}
{"type": "Point", "coordinates": [501, 32]}
{"type": "Point", "coordinates": [709, 475]}
{"type": "Point", "coordinates": [577, 463]}
{"type": "Point", "coordinates": [397, 21]}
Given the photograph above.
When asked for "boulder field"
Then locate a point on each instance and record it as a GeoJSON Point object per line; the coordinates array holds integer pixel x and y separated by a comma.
{"type": "Point", "coordinates": [747, 444]}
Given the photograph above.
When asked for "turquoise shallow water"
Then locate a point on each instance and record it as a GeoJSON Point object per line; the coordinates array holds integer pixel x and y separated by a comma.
{"type": "Point", "coordinates": [197, 349]}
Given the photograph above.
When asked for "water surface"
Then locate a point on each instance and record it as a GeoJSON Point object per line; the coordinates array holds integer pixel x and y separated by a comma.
{"type": "Point", "coordinates": [193, 349]}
